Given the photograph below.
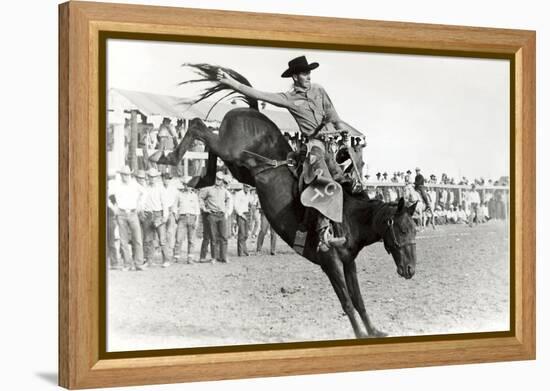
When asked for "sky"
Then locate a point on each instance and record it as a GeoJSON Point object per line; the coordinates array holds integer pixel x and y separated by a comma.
{"type": "Point", "coordinates": [443, 114]}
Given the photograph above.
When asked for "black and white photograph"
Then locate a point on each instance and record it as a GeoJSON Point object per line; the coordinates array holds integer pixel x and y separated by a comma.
{"type": "Point", "coordinates": [268, 195]}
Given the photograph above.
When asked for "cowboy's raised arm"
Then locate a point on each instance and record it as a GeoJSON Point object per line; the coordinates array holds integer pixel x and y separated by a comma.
{"type": "Point", "coordinates": [275, 99]}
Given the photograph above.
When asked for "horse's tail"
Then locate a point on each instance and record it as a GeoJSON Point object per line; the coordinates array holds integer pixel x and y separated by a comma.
{"type": "Point", "coordinates": [209, 73]}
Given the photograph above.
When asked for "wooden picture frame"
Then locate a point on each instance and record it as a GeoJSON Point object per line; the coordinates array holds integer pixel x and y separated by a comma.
{"type": "Point", "coordinates": [82, 362]}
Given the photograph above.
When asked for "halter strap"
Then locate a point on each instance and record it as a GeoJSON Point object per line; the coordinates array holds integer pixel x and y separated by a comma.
{"type": "Point", "coordinates": [394, 244]}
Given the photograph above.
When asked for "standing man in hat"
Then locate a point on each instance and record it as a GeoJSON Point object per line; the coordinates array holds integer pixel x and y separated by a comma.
{"type": "Point", "coordinates": [171, 196]}
{"type": "Point", "coordinates": [141, 179]}
{"type": "Point", "coordinates": [312, 109]}
{"type": "Point", "coordinates": [125, 201]}
{"type": "Point", "coordinates": [419, 182]}
{"type": "Point", "coordinates": [473, 202]}
{"type": "Point", "coordinates": [156, 210]}
{"type": "Point", "coordinates": [187, 209]}
{"type": "Point", "coordinates": [241, 203]}
{"type": "Point", "coordinates": [207, 242]}
{"type": "Point", "coordinates": [216, 202]}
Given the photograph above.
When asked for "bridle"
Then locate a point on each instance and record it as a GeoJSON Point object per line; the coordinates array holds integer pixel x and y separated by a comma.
{"type": "Point", "coordinates": [392, 243]}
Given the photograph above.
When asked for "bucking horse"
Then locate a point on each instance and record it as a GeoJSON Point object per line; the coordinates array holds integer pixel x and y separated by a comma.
{"type": "Point", "coordinates": [255, 151]}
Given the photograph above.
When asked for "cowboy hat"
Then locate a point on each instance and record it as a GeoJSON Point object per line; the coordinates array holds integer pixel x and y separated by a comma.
{"type": "Point", "coordinates": [140, 174]}
{"type": "Point", "coordinates": [125, 171]}
{"type": "Point", "coordinates": [297, 65]}
{"type": "Point", "coordinates": [153, 172]}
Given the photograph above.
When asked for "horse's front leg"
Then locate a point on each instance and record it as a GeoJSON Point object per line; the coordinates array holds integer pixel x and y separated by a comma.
{"type": "Point", "coordinates": [333, 269]}
{"type": "Point", "coordinates": [350, 272]}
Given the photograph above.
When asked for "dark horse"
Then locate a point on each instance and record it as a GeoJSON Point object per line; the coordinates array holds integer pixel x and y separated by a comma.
{"type": "Point", "coordinates": [246, 137]}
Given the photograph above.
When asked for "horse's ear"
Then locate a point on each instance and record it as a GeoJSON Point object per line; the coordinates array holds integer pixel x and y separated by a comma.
{"type": "Point", "coordinates": [400, 205]}
{"type": "Point", "coordinates": [411, 208]}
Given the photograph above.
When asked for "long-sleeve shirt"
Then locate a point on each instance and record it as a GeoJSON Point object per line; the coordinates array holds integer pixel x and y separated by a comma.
{"type": "Point", "coordinates": [156, 199]}
{"type": "Point", "coordinates": [473, 197]}
{"type": "Point", "coordinates": [215, 199]}
{"type": "Point", "coordinates": [241, 202]}
{"type": "Point", "coordinates": [187, 203]}
{"type": "Point", "coordinates": [310, 108]}
{"type": "Point", "coordinates": [171, 195]}
{"type": "Point", "coordinates": [418, 181]}
{"type": "Point", "coordinates": [126, 195]}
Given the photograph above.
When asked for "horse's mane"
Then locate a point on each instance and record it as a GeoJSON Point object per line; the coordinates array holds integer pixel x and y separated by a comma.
{"type": "Point", "coordinates": [208, 73]}
{"type": "Point", "coordinates": [373, 209]}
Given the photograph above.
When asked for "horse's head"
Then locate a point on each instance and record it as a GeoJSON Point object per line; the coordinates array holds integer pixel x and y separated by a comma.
{"type": "Point", "coordinates": [400, 239]}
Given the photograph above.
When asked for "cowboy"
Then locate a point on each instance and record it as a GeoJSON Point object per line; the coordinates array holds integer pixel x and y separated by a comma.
{"type": "Point", "coordinates": [241, 202]}
{"type": "Point", "coordinates": [187, 211]}
{"type": "Point", "coordinates": [171, 195]}
{"type": "Point", "coordinates": [216, 202]}
{"type": "Point", "coordinates": [473, 203]}
{"type": "Point", "coordinates": [127, 194]}
{"type": "Point", "coordinates": [419, 186]}
{"type": "Point", "coordinates": [156, 211]}
{"type": "Point", "coordinates": [312, 109]}
{"type": "Point", "coordinates": [141, 180]}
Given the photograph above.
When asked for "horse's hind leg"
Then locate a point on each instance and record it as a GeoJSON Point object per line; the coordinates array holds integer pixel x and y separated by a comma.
{"type": "Point", "coordinates": [350, 272]}
{"type": "Point", "coordinates": [333, 269]}
{"type": "Point", "coordinates": [210, 177]}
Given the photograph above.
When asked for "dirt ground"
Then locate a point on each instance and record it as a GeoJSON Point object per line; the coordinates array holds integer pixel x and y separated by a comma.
{"type": "Point", "coordinates": [461, 285]}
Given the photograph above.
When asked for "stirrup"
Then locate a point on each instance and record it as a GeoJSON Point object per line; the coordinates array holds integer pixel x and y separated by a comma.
{"type": "Point", "coordinates": [327, 240]}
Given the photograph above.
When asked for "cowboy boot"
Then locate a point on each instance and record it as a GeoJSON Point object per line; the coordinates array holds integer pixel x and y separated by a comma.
{"type": "Point", "coordinates": [326, 236]}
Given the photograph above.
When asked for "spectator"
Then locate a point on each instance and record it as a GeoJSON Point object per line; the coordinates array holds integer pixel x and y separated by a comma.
{"type": "Point", "coordinates": [112, 251]}
{"type": "Point", "coordinates": [462, 217]}
{"type": "Point", "coordinates": [241, 202]}
{"type": "Point", "coordinates": [473, 202]}
{"type": "Point", "coordinates": [255, 218]}
{"type": "Point", "coordinates": [156, 211]}
{"type": "Point", "coordinates": [187, 209]}
{"type": "Point", "coordinates": [216, 201]}
{"type": "Point", "coordinates": [261, 236]}
{"type": "Point", "coordinates": [171, 197]}
{"type": "Point", "coordinates": [432, 196]}
{"type": "Point", "coordinates": [452, 215]}
{"type": "Point", "coordinates": [484, 212]}
{"type": "Point", "coordinates": [126, 195]}
{"type": "Point", "coordinates": [207, 241]}
{"type": "Point", "coordinates": [166, 135]}
{"type": "Point", "coordinates": [141, 180]}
